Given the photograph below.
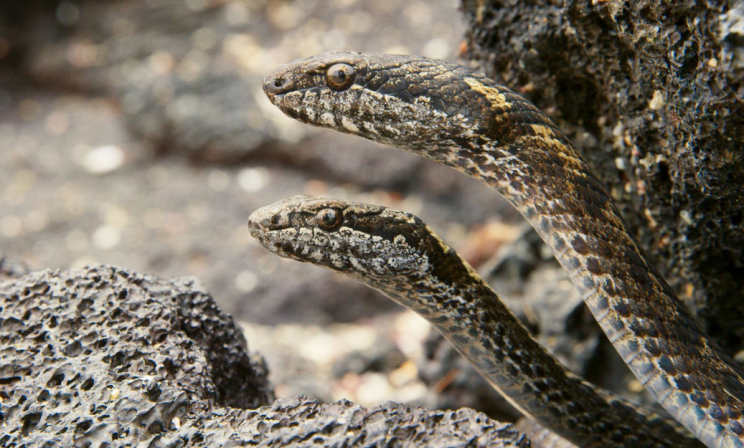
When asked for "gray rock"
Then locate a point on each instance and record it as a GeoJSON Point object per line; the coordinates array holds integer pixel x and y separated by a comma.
{"type": "Point", "coordinates": [651, 92]}
{"type": "Point", "coordinates": [11, 268]}
{"type": "Point", "coordinates": [300, 422]}
{"type": "Point", "coordinates": [536, 288]}
{"type": "Point", "coordinates": [102, 355]}
{"type": "Point", "coordinates": [105, 353]}
{"type": "Point", "coordinates": [453, 382]}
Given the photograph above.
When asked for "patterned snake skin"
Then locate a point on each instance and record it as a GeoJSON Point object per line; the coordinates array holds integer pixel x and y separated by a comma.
{"type": "Point", "coordinates": [397, 254]}
{"type": "Point", "coordinates": [450, 114]}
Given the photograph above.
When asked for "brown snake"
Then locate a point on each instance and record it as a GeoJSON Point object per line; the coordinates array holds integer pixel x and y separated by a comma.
{"type": "Point", "coordinates": [456, 117]}
{"type": "Point", "coordinates": [397, 254]}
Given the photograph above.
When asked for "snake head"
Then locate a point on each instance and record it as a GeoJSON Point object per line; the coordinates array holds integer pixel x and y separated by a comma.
{"type": "Point", "coordinates": [407, 101]}
{"type": "Point", "coordinates": [364, 241]}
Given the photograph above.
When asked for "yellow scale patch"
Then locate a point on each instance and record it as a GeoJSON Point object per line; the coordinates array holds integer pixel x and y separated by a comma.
{"type": "Point", "coordinates": [544, 133]}
{"type": "Point", "coordinates": [492, 94]}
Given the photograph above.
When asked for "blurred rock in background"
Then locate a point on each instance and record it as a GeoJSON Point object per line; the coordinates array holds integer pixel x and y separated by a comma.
{"type": "Point", "coordinates": [136, 133]}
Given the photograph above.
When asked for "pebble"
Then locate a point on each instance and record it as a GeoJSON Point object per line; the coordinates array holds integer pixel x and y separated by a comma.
{"type": "Point", "coordinates": [103, 159]}
{"type": "Point", "coordinates": [106, 237]}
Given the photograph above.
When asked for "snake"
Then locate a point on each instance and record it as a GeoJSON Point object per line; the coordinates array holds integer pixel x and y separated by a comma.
{"type": "Point", "coordinates": [455, 116]}
{"type": "Point", "coordinates": [397, 254]}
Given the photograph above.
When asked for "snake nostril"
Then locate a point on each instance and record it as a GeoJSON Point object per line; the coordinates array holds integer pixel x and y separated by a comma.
{"type": "Point", "coordinates": [278, 82]}
{"type": "Point", "coordinates": [265, 223]}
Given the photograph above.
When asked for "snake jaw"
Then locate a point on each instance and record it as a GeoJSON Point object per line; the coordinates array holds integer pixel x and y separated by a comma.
{"type": "Point", "coordinates": [290, 229]}
{"type": "Point", "coordinates": [388, 102]}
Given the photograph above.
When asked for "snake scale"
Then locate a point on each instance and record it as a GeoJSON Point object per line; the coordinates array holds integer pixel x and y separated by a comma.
{"type": "Point", "coordinates": [454, 116]}
{"type": "Point", "coordinates": [397, 254]}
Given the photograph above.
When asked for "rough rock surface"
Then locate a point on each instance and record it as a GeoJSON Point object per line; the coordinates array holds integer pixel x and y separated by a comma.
{"type": "Point", "coordinates": [652, 92]}
{"type": "Point", "coordinates": [104, 356]}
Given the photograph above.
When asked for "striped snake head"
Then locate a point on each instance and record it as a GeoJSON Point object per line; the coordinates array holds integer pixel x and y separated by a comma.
{"type": "Point", "coordinates": [406, 101]}
{"type": "Point", "coordinates": [370, 243]}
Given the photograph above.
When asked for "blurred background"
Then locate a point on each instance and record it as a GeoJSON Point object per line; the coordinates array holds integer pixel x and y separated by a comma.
{"type": "Point", "coordinates": [135, 133]}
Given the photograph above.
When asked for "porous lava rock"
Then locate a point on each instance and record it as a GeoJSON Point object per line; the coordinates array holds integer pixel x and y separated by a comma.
{"type": "Point", "coordinates": [103, 357]}
{"type": "Point", "coordinates": [652, 94]}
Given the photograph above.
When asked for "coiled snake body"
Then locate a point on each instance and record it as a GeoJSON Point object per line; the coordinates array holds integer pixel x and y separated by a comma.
{"type": "Point", "coordinates": [450, 114]}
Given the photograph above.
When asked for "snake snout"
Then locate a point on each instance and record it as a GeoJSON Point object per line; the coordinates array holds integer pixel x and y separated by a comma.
{"type": "Point", "coordinates": [276, 83]}
{"type": "Point", "coordinates": [260, 222]}
{"type": "Point", "coordinates": [256, 226]}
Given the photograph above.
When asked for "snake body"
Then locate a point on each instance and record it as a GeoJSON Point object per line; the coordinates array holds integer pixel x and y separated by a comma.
{"type": "Point", "coordinates": [397, 254]}
{"type": "Point", "coordinates": [454, 116]}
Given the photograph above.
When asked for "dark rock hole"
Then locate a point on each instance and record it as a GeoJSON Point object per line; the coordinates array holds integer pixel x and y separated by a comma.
{"type": "Point", "coordinates": [88, 384]}
{"type": "Point", "coordinates": [155, 427]}
{"type": "Point", "coordinates": [56, 379]}
{"type": "Point", "coordinates": [83, 426]}
{"type": "Point", "coordinates": [144, 322]}
{"type": "Point", "coordinates": [9, 380]}
{"type": "Point", "coordinates": [43, 395]}
{"type": "Point", "coordinates": [73, 349]}
{"type": "Point", "coordinates": [153, 393]}
{"type": "Point", "coordinates": [663, 173]}
{"type": "Point", "coordinates": [160, 337]}
{"type": "Point", "coordinates": [736, 220]}
{"type": "Point", "coordinates": [29, 423]}
{"type": "Point", "coordinates": [118, 359]}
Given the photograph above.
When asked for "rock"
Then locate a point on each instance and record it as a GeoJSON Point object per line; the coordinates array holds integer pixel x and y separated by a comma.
{"type": "Point", "coordinates": [453, 382]}
{"type": "Point", "coordinates": [301, 422]}
{"type": "Point", "coordinates": [382, 356]}
{"type": "Point", "coordinates": [102, 354]}
{"type": "Point", "coordinates": [10, 268]}
{"type": "Point", "coordinates": [538, 290]}
{"type": "Point", "coordinates": [651, 92]}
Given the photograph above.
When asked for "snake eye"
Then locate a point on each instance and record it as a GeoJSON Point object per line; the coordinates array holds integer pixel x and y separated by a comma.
{"type": "Point", "coordinates": [340, 76]}
{"type": "Point", "coordinates": [329, 219]}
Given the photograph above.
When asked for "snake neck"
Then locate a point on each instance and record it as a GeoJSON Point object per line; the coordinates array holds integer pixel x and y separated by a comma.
{"type": "Point", "coordinates": [536, 168]}
{"type": "Point", "coordinates": [453, 298]}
